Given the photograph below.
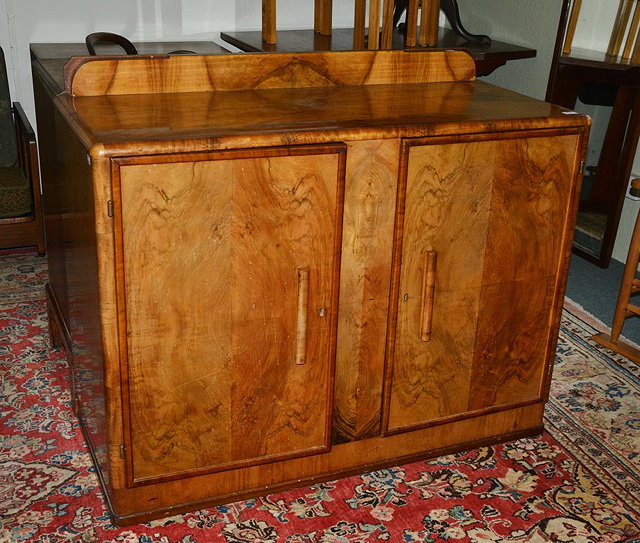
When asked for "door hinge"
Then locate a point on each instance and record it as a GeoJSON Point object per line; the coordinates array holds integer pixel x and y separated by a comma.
{"type": "Point", "coordinates": [110, 208]}
{"type": "Point", "coordinates": [581, 167]}
{"type": "Point", "coordinates": [550, 369]}
{"type": "Point", "coordinates": [122, 451]}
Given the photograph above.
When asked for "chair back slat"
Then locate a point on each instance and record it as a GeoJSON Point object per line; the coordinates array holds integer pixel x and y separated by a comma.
{"type": "Point", "coordinates": [632, 36]}
{"type": "Point", "coordinates": [624, 42]}
{"type": "Point", "coordinates": [269, 21]}
{"type": "Point", "coordinates": [374, 24]}
{"type": "Point", "coordinates": [374, 33]}
{"type": "Point", "coordinates": [635, 56]}
{"type": "Point", "coordinates": [387, 25]}
{"type": "Point", "coordinates": [620, 27]}
{"type": "Point", "coordinates": [323, 16]}
{"type": "Point", "coordinates": [359, 23]}
{"type": "Point", "coordinates": [571, 27]}
{"type": "Point", "coordinates": [433, 11]}
{"type": "Point", "coordinates": [411, 38]}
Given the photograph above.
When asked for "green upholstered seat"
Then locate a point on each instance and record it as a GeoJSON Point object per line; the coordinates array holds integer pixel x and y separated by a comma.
{"type": "Point", "coordinates": [8, 145]}
{"type": "Point", "coordinates": [21, 218]}
{"type": "Point", "coordinates": [15, 193]}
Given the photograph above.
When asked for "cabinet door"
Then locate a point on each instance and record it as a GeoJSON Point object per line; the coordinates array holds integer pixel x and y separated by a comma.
{"type": "Point", "coordinates": [481, 240]}
{"type": "Point", "coordinates": [228, 286]}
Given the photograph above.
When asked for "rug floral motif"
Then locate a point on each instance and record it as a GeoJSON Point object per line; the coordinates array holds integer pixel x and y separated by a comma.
{"type": "Point", "coordinates": [578, 482]}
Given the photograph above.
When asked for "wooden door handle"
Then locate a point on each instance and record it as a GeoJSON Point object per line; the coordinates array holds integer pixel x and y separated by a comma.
{"type": "Point", "coordinates": [303, 311]}
{"type": "Point", "coordinates": [428, 292]}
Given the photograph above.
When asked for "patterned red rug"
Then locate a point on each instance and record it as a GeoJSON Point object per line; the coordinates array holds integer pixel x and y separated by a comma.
{"type": "Point", "coordinates": [578, 482]}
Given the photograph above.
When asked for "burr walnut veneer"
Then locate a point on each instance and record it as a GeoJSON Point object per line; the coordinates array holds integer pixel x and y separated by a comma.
{"type": "Point", "coordinates": [269, 270]}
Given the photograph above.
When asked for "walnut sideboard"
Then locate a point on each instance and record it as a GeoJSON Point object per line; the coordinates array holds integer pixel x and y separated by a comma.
{"type": "Point", "coordinates": [274, 269]}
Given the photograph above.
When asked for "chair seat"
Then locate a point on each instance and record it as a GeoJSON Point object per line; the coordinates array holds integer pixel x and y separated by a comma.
{"type": "Point", "coordinates": [15, 193]}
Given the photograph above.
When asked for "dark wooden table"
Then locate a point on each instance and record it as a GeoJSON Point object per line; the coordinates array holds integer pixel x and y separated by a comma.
{"type": "Point", "coordinates": [487, 57]}
{"type": "Point", "coordinates": [594, 78]}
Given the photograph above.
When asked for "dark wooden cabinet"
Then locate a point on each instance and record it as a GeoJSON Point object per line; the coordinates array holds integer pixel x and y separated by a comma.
{"type": "Point", "coordinates": [307, 266]}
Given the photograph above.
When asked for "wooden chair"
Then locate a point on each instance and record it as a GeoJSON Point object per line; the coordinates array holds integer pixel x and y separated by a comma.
{"type": "Point", "coordinates": [96, 38]}
{"type": "Point", "coordinates": [377, 32]}
{"type": "Point", "coordinates": [625, 30]}
{"type": "Point", "coordinates": [21, 222]}
{"type": "Point", "coordinates": [629, 286]}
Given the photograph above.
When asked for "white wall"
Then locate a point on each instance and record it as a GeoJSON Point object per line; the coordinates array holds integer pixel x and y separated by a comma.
{"type": "Point", "coordinates": [595, 24]}
{"type": "Point", "coordinates": [530, 23]}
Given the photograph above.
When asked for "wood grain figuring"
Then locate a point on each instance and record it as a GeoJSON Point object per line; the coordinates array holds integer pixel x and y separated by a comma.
{"type": "Point", "coordinates": [251, 113]}
{"type": "Point", "coordinates": [202, 121]}
{"type": "Point", "coordinates": [222, 386]}
{"type": "Point", "coordinates": [529, 174]}
{"type": "Point", "coordinates": [192, 73]}
{"type": "Point", "coordinates": [512, 266]}
{"type": "Point", "coordinates": [432, 380]}
{"type": "Point", "coordinates": [371, 180]}
{"type": "Point", "coordinates": [347, 459]}
{"type": "Point", "coordinates": [511, 341]}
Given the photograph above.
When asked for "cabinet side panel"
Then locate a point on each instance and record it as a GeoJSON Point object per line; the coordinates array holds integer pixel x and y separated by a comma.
{"type": "Point", "coordinates": [224, 260]}
{"type": "Point", "coordinates": [370, 194]}
{"type": "Point", "coordinates": [75, 258]}
{"type": "Point", "coordinates": [531, 195]}
{"type": "Point", "coordinates": [446, 212]}
{"type": "Point", "coordinates": [53, 191]}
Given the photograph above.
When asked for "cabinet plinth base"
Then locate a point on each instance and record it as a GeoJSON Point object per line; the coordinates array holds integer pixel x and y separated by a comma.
{"type": "Point", "coordinates": [137, 518]}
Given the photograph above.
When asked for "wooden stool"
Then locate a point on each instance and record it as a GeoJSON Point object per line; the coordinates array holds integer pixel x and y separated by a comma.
{"type": "Point", "coordinates": [629, 286]}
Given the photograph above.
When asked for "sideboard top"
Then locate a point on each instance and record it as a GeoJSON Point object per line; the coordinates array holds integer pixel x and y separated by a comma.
{"type": "Point", "coordinates": [100, 76]}
{"type": "Point", "coordinates": [250, 100]}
